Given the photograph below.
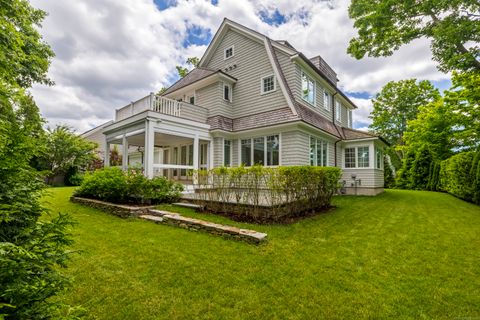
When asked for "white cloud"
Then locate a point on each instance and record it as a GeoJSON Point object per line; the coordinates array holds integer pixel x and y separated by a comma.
{"type": "Point", "coordinates": [110, 52]}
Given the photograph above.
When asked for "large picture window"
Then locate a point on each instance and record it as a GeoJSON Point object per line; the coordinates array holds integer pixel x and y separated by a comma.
{"type": "Point", "coordinates": [357, 157]}
{"type": "Point", "coordinates": [308, 89]}
{"type": "Point", "coordinates": [318, 152]}
{"type": "Point", "coordinates": [261, 150]}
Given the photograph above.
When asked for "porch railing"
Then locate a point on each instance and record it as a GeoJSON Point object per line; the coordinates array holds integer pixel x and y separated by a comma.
{"type": "Point", "coordinates": [164, 106]}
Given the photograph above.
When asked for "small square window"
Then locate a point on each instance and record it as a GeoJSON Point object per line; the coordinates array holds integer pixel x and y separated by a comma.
{"type": "Point", "coordinates": [228, 53]}
{"type": "Point", "coordinates": [268, 84]}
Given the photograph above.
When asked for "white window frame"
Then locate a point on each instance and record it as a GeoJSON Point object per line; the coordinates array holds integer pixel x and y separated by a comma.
{"type": "Point", "coordinates": [326, 101]}
{"type": "Point", "coordinates": [338, 111]}
{"type": "Point", "coordinates": [230, 91]}
{"type": "Point", "coordinates": [349, 119]}
{"type": "Point", "coordinates": [322, 141]}
{"type": "Point", "coordinates": [265, 151]}
{"type": "Point", "coordinates": [262, 91]}
{"type": "Point", "coordinates": [370, 165]}
{"type": "Point", "coordinates": [378, 150]}
{"type": "Point", "coordinates": [225, 52]}
{"type": "Point", "coordinates": [314, 103]}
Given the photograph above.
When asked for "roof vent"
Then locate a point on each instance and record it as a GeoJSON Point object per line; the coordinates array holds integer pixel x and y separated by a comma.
{"type": "Point", "coordinates": [325, 68]}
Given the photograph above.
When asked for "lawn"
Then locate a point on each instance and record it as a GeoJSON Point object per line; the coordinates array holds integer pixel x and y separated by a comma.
{"type": "Point", "coordinates": [403, 254]}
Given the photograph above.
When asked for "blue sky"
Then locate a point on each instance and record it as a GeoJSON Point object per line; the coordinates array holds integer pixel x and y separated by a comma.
{"type": "Point", "coordinates": [98, 69]}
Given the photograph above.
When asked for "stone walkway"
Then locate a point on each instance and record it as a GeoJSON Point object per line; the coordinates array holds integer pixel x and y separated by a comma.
{"type": "Point", "coordinates": [175, 219]}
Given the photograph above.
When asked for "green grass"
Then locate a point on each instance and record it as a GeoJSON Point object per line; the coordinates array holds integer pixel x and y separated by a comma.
{"type": "Point", "coordinates": [401, 255]}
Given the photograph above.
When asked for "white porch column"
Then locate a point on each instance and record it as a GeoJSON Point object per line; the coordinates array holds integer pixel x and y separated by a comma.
{"type": "Point", "coordinates": [210, 154]}
{"type": "Point", "coordinates": [196, 147]}
{"type": "Point", "coordinates": [106, 155]}
{"type": "Point", "coordinates": [124, 152]}
{"type": "Point", "coordinates": [149, 145]}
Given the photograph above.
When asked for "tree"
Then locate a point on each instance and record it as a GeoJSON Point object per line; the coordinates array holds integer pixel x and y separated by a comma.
{"type": "Point", "coordinates": [403, 176]}
{"type": "Point", "coordinates": [463, 101]}
{"type": "Point", "coordinates": [421, 169]}
{"type": "Point", "coordinates": [192, 62]}
{"type": "Point", "coordinates": [452, 26]}
{"type": "Point", "coordinates": [397, 103]}
{"type": "Point", "coordinates": [65, 150]}
{"type": "Point", "coordinates": [31, 251]}
{"type": "Point", "coordinates": [433, 128]}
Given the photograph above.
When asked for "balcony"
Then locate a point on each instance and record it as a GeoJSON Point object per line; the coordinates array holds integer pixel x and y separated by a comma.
{"type": "Point", "coordinates": [164, 106]}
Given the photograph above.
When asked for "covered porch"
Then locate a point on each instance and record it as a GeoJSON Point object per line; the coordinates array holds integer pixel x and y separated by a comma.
{"type": "Point", "coordinates": [161, 144]}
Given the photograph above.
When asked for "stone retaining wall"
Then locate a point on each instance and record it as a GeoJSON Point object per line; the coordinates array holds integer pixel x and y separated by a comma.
{"type": "Point", "coordinates": [123, 211]}
{"type": "Point", "coordinates": [173, 219]}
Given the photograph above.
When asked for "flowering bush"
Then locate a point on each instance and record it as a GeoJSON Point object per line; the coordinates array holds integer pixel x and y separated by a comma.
{"type": "Point", "coordinates": [115, 185]}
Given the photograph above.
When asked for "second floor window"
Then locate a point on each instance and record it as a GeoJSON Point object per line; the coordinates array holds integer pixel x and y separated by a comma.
{"type": "Point", "coordinates": [228, 53]}
{"type": "Point", "coordinates": [338, 111]}
{"type": "Point", "coordinates": [227, 92]}
{"type": "Point", "coordinates": [326, 100]}
{"type": "Point", "coordinates": [349, 113]}
{"type": "Point", "coordinates": [308, 89]}
{"type": "Point", "coordinates": [268, 84]}
{"type": "Point", "coordinates": [192, 100]}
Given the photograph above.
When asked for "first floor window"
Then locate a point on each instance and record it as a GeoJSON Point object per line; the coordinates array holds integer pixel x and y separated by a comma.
{"type": "Point", "coordinates": [363, 157]}
{"type": "Point", "coordinates": [350, 158]}
{"type": "Point", "coordinates": [227, 152]}
{"type": "Point", "coordinates": [308, 89]}
{"type": "Point", "coordinates": [318, 152]}
{"type": "Point", "coordinates": [268, 84]}
{"type": "Point", "coordinates": [246, 151]}
{"type": "Point", "coordinates": [378, 157]}
{"type": "Point", "coordinates": [273, 150]}
{"type": "Point", "coordinates": [203, 155]}
{"type": "Point", "coordinates": [261, 150]}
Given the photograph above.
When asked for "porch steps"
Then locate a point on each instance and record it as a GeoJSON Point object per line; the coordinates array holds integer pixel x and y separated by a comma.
{"type": "Point", "coordinates": [229, 232]}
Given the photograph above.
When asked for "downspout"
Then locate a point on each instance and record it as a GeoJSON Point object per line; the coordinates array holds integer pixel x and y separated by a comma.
{"type": "Point", "coordinates": [333, 121]}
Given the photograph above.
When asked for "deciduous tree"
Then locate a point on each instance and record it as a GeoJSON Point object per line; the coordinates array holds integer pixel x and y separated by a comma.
{"type": "Point", "coordinates": [453, 27]}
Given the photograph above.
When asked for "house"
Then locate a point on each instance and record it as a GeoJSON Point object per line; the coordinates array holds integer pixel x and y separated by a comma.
{"type": "Point", "coordinates": [251, 100]}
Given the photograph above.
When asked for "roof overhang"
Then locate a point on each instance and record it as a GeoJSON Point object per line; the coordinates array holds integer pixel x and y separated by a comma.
{"type": "Point", "coordinates": [203, 82]}
{"type": "Point", "coordinates": [249, 33]}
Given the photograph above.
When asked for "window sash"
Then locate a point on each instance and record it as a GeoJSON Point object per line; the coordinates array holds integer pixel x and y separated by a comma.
{"type": "Point", "coordinates": [228, 53]}
{"type": "Point", "coordinates": [263, 150]}
{"type": "Point", "coordinates": [350, 158]}
{"type": "Point", "coordinates": [363, 154]}
{"type": "Point", "coordinates": [379, 157]}
{"type": "Point", "coordinates": [338, 111]}
{"type": "Point", "coordinates": [273, 150]}
{"type": "Point", "coordinates": [227, 92]}
{"type": "Point", "coordinates": [268, 84]}
{"type": "Point", "coordinates": [308, 89]}
{"type": "Point", "coordinates": [326, 100]}
{"type": "Point", "coordinates": [318, 152]}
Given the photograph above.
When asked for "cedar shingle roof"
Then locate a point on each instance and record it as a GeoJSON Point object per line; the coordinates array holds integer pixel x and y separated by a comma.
{"type": "Point", "coordinates": [191, 77]}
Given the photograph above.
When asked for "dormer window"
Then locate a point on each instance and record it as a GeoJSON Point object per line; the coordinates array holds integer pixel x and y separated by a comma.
{"type": "Point", "coordinates": [228, 53]}
{"type": "Point", "coordinates": [268, 84]}
{"type": "Point", "coordinates": [227, 92]}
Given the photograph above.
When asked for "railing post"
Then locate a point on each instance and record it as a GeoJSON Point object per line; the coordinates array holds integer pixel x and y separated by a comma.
{"type": "Point", "coordinates": [152, 101]}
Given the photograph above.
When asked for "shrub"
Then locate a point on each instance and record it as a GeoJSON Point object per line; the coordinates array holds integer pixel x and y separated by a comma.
{"type": "Point", "coordinates": [267, 194]}
{"type": "Point", "coordinates": [421, 169]}
{"type": "Point", "coordinates": [114, 185]}
{"type": "Point", "coordinates": [403, 176]}
{"type": "Point", "coordinates": [76, 179]}
{"type": "Point", "coordinates": [455, 175]}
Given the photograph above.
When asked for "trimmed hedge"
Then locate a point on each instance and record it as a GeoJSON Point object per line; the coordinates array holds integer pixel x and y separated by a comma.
{"type": "Point", "coordinates": [265, 194]}
{"type": "Point", "coordinates": [112, 184]}
{"type": "Point", "coordinates": [459, 176]}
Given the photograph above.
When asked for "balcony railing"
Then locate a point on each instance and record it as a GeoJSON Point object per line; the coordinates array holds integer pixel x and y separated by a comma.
{"type": "Point", "coordinates": [164, 106]}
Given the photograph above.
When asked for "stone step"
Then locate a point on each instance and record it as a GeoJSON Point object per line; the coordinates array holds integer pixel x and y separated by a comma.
{"type": "Point", "coordinates": [188, 205]}
{"type": "Point", "coordinates": [175, 219]}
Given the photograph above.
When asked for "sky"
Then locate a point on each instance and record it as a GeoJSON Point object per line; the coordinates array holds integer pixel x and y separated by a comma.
{"type": "Point", "coordinates": [111, 52]}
